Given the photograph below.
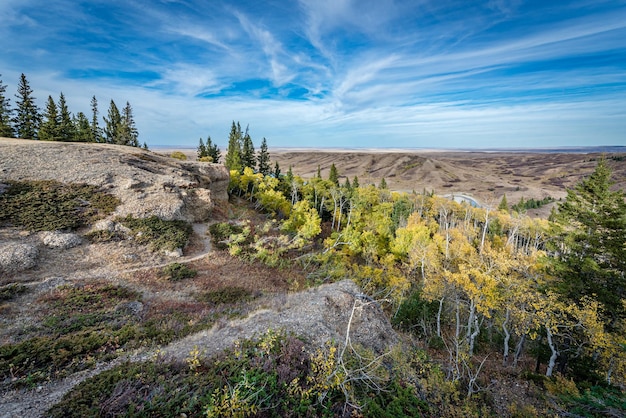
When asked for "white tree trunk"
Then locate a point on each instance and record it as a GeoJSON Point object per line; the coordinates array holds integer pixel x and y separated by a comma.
{"type": "Point", "coordinates": [555, 353]}
{"type": "Point", "coordinates": [507, 337]}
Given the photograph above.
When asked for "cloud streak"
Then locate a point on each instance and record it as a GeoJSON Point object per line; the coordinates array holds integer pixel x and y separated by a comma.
{"type": "Point", "coordinates": [334, 73]}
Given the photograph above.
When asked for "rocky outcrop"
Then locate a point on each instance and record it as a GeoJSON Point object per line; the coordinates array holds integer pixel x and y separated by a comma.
{"type": "Point", "coordinates": [146, 183]}
{"type": "Point", "coordinates": [331, 312]}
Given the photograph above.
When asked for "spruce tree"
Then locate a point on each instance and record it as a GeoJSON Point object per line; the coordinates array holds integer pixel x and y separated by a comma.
{"type": "Point", "coordinates": [26, 119]}
{"type": "Point", "coordinates": [201, 151]}
{"type": "Point", "coordinates": [82, 128]}
{"type": "Point", "coordinates": [49, 129]}
{"type": "Point", "coordinates": [264, 159]}
{"type": "Point", "coordinates": [248, 158]}
{"type": "Point", "coordinates": [591, 260]}
{"type": "Point", "coordinates": [213, 150]}
{"type": "Point", "coordinates": [6, 130]}
{"type": "Point", "coordinates": [333, 175]}
{"type": "Point", "coordinates": [355, 183]}
{"type": "Point", "coordinates": [112, 125]}
{"type": "Point", "coordinates": [233, 153]}
{"type": "Point", "coordinates": [504, 205]}
{"type": "Point", "coordinates": [383, 184]}
{"type": "Point", "coordinates": [319, 172]}
{"type": "Point", "coordinates": [129, 134]}
{"type": "Point", "coordinates": [277, 170]}
{"type": "Point", "coordinates": [66, 127]}
{"type": "Point", "coordinates": [96, 131]}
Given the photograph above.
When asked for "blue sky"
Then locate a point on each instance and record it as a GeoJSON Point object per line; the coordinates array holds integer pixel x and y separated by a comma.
{"type": "Point", "coordinates": [333, 73]}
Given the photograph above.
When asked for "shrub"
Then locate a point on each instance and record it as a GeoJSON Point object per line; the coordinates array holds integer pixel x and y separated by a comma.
{"type": "Point", "coordinates": [178, 271]}
{"type": "Point", "coordinates": [158, 233]}
{"type": "Point", "coordinates": [178, 155]}
{"type": "Point", "coordinates": [205, 159]}
{"type": "Point", "coordinates": [222, 231]}
{"type": "Point", "coordinates": [12, 290]}
{"type": "Point", "coordinates": [48, 205]}
{"type": "Point", "coordinates": [226, 295]}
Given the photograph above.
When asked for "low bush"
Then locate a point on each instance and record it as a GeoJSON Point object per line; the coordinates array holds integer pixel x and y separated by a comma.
{"type": "Point", "coordinates": [178, 271]}
{"type": "Point", "coordinates": [11, 291]}
{"type": "Point", "coordinates": [178, 155]}
{"type": "Point", "coordinates": [48, 205]}
{"type": "Point", "coordinates": [159, 234]}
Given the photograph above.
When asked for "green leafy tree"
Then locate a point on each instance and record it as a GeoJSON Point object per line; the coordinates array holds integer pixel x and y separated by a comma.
{"type": "Point", "coordinates": [333, 175]}
{"type": "Point", "coordinates": [591, 260]}
{"type": "Point", "coordinates": [96, 131]}
{"type": "Point", "coordinates": [66, 127]}
{"type": "Point", "coordinates": [6, 130]}
{"type": "Point", "coordinates": [82, 128]}
{"type": "Point", "coordinates": [248, 157]}
{"type": "Point", "coordinates": [27, 118]}
{"type": "Point", "coordinates": [233, 153]}
{"type": "Point", "coordinates": [263, 158]}
{"type": "Point", "coordinates": [49, 129]}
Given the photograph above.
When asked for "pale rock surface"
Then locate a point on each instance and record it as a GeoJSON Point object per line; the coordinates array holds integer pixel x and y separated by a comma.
{"type": "Point", "coordinates": [146, 183]}
{"type": "Point", "coordinates": [15, 257]}
{"type": "Point", "coordinates": [60, 240]}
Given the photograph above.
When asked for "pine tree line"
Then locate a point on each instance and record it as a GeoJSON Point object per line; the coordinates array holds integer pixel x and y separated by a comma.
{"type": "Point", "coordinates": [57, 123]}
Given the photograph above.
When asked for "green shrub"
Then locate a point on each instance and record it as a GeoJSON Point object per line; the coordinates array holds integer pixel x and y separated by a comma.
{"type": "Point", "coordinates": [48, 205]}
{"type": "Point", "coordinates": [222, 231]}
{"type": "Point", "coordinates": [226, 295]}
{"type": "Point", "coordinates": [178, 271]}
{"type": "Point", "coordinates": [12, 290]}
{"type": "Point", "coordinates": [158, 233]}
{"type": "Point", "coordinates": [178, 155]}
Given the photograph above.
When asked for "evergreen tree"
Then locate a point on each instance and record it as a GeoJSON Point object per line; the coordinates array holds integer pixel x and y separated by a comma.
{"type": "Point", "coordinates": [129, 134]}
{"type": "Point", "coordinates": [504, 205]}
{"type": "Point", "coordinates": [112, 125]}
{"type": "Point", "coordinates": [213, 150]}
{"type": "Point", "coordinates": [49, 129]}
{"type": "Point", "coordinates": [96, 131]}
{"type": "Point", "coordinates": [82, 128]}
{"type": "Point", "coordinates": [333, 176]}
{"type": "Point", "coordinates": [355, 183]}
{"type": "Point", "coordinates": [248, 158]}
{"type": "Point", "coordinates": [6, 130]}
{"type": "Point", "coordinates": [145, 146]}
{"type": "Point", "coordinates": [233, 153]}
{"type": "Point", "coordinates": [66, 127]}
{"type": "Point", "coordinates": [26, 120]}
{"type": "Point", "coordinates": [277, 170]}
{"type": "Point", "coordinates": [202, 151]}
{"type": "Point", "coordinates": [319, 172]}
{"type": "Point", "coordinates": [264, 158]}
{"type": "Point", "coordinates": [383, 184]}
{"type": "Point", "coordinates": [592, 258]}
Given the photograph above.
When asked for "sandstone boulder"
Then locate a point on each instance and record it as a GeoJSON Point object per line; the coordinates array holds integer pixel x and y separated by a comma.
{"type": "Point", "coordinates": [16, 257]}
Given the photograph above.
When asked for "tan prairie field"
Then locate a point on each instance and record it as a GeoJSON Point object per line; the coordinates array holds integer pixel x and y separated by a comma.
{"type": "Point", "coordinates": [484, 175]}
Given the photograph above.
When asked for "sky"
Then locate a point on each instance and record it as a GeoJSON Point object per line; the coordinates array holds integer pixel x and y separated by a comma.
{"type": "Point", "coordinates": [332, 73]}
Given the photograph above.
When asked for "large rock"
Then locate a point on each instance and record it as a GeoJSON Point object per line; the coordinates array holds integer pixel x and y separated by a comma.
{"type": "Point", "coordinates": [146, 183]}
{"type": "Point", "coordinates": [61, 240]}
{"type": "Point", "coordinates": [16, 257]}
